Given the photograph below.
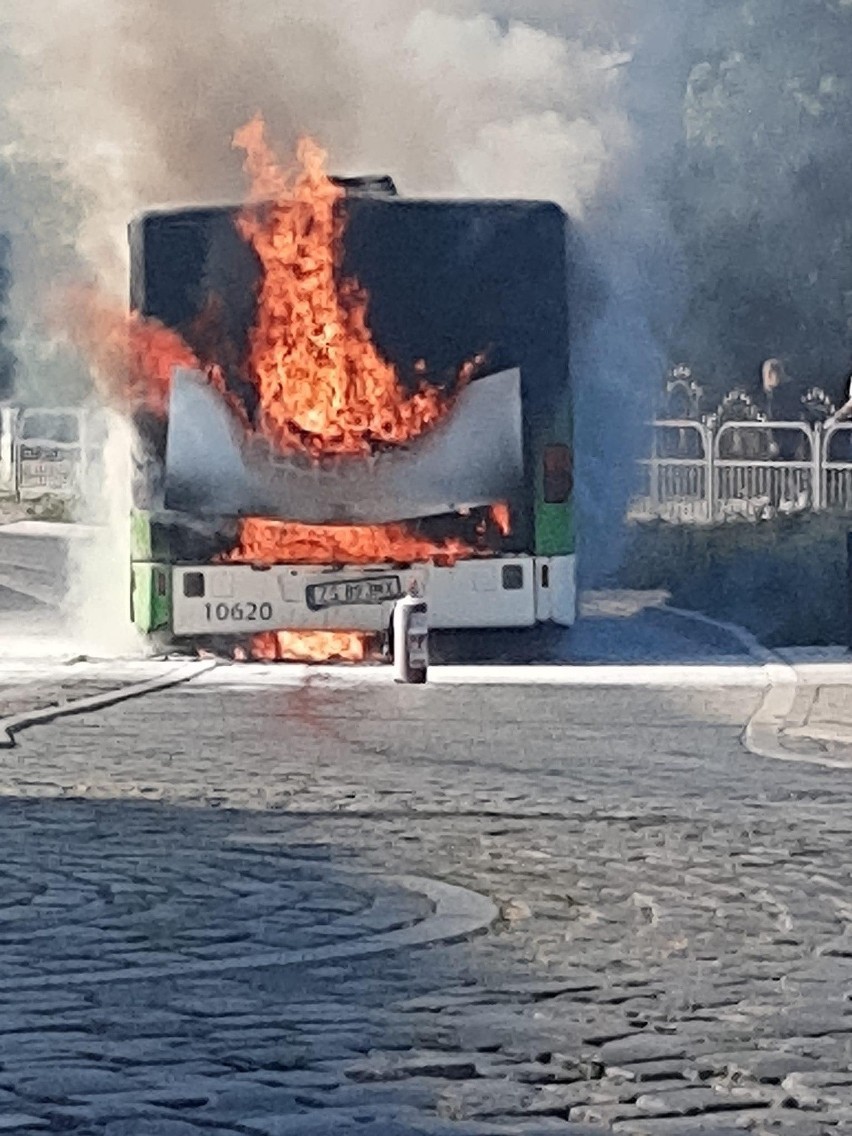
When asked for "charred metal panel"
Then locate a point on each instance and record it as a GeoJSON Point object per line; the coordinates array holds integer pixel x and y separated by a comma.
{"type": "Point", "coordinates": [473, 458]}
{"type": "Point", "coordinates": [447, 281]}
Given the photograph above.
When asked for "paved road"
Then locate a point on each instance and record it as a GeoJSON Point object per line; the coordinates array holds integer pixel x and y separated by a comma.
{"type": "Point", "coordinates": [673, 954]}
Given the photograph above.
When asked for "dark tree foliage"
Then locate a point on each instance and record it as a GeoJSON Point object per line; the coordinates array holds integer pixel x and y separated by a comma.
{"type": "Point", "coordinates": [760, 191]}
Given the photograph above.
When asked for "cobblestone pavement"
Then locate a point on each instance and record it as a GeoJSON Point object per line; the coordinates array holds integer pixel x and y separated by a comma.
{"type": "Point", "coordinates": [820, 722]}
{"type": "Point", "coordinates": [38, 684]}
{"type": "Point", "coordinates": [672, 957]}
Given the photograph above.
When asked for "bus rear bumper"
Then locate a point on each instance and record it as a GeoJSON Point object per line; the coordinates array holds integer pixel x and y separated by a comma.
{"type": "Point", "coordinates": [241, 599]}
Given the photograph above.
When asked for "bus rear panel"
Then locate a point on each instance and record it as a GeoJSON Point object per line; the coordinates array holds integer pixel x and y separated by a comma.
{"type": "Point", "coordinates": [447, 282]}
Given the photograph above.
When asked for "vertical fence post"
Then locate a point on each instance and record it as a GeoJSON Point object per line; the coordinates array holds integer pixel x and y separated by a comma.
{"type": "Point", "coordinates": [655, 473]}
{"type": "Point", "coordinates": [710, 456]}
{"type": "Point", "coordinates": [817, 439]}
{"type": "Point", "coordinates": [16, 455]}
{"type": "Point", "coordinates": [8, 481]}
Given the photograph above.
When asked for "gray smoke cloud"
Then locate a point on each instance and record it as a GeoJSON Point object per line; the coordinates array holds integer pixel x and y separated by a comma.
{"type": "Point", "coordinates": [576, 101]}
{"type": "Point", "coordinates": [139, 102]}
{"type": "Point", "coordinates": [41, 211]}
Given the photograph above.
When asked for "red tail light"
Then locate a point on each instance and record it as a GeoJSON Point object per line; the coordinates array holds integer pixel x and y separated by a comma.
{"type": "Point", "coordinates": [558, 469]}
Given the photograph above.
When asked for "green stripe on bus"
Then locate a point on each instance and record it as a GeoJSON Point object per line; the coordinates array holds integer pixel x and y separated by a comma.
{"type": "Point", "coordinates": [554, 529]}
{"type": "Point", "coordinates": [151, 597]}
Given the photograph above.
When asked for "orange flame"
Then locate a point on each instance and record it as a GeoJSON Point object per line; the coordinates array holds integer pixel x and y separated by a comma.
{"type": "Point", "coordinates": [270, 542]}
{"type": "Point", "coordinates": [312, 646]}
{"type": "Point", "coordinates": [323, 385]}
{"type": "Point", "coordinates": [324, 388]}
{"type": "Point", "coordinates": [501, 518]}
{"type": "Point", "coordinates": [131, 357]}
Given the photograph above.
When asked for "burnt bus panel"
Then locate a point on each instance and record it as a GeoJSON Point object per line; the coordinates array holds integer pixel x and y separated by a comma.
{"type": "Point", "coordinates": [192, 270]}
{"type": "Point", "coordinates": [179, 259]}
{"type": "Point", "coordinates": [472, 459]}
{"type": "Point", "coordinates": [446, 281]}
{"type": "Point", "coordinates": [449, 280]}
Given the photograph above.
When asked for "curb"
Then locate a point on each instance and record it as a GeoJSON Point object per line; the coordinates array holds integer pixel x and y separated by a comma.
{"type": "Point", "coordinates": [762, 735]}
{"type": "Point", "coordinates": [40, 594]}
{"type": "Point", "coordinates": [459, 914]}
{"type": "Point", "coordinates": [15, 723]}
{"type": "Point", "coordinates": [745, 638]}
{"type": "Point", "coordinates": [51, 530]}
{"type": "Point", "coordinates": [841, 735]}
{"type": "Point", "coordinates": [260, 675]}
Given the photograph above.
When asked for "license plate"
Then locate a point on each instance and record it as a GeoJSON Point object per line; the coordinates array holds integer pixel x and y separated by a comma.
{"type": "Point", "coordinates": [341, 593]}
{"type": "Point", "coordinates": [39, 454]}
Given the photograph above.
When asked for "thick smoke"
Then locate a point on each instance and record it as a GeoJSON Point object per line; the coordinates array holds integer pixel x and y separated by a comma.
{"type": "Point", "coordinates": [138, 102]}
{"type": "Point", "coordinates": [41, 210]}
{"type": "Point", "coordinates": [7, 361]}
{"type": "Point", "coordinates": [726, 124]}
{"type": "Point", "coordinates": [760, 195]}
{"type": "Point", "coordinates": [568, 100]}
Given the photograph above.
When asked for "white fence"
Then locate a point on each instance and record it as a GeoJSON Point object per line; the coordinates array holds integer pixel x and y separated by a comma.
{"type": "Point", "coordinates": [46, 452]}
{"type": "Point", "coordinates": [700, 472]}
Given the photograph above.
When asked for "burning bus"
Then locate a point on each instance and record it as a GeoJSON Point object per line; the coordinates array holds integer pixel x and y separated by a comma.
{"type": "Point", "coordinates": [362, 397]}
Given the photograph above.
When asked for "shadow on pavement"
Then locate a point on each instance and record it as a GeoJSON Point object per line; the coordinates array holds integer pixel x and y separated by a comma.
{"type": "Point", "coordinates": [613, 627]}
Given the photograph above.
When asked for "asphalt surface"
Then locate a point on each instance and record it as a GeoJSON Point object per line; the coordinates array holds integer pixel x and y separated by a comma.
{"type": "Point", "coordinates": [672, 954]}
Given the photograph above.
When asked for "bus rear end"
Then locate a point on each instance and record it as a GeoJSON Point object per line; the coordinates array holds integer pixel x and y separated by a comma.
{"type": "Point", "coordinates": [246, 545]}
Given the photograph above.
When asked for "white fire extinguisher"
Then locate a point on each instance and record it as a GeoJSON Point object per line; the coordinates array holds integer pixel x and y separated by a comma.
{"type": "Point", "coordinates": [410, 640]}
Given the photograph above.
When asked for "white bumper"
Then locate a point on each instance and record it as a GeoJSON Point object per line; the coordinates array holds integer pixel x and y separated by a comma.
{"type": "Point", "coordinates": [241, 599]}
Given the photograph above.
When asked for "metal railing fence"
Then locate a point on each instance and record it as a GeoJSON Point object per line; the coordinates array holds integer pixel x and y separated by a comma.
{"type": "Point", "coordinates": [698, 471]}
{"type": "Point", "coordinates": [705, 471]}
{"type": "Point", "coordinates": [47, 452]}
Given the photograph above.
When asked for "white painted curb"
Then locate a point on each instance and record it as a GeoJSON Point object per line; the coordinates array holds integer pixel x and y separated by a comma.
{"type": "Point", "coordinates": [762, 735]}
{"type": "Point", "coordinates": [459, 913]}
{"type": "Point", "coordinates": [51, 530]}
